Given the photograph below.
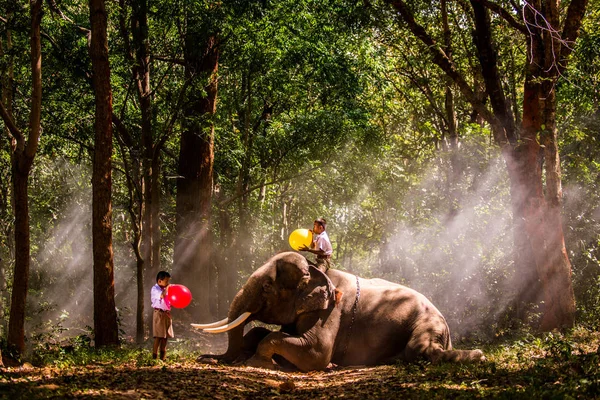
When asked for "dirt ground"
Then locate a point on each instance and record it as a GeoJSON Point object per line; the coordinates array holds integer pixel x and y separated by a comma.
{"type": "Point", "coordinates": [198, 381]}
{"type": "Point", "coordinates": [182, 377]}
{"type": "Point", "coordinates": [526, 375]}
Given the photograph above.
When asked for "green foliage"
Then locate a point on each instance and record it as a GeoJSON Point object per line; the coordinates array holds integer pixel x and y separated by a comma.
{"type": "Point", "coordinates": [325, 109]}
{"type": "Point", "coordinates": [77, 351]}
{"type": "Point", "coordinates": [52, 346]}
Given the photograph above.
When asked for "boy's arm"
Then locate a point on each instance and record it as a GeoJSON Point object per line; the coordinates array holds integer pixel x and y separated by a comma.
{"type": "Point", "coordinates": [318, 252]}
{"type": "Point", "coordinates": [157, 296]}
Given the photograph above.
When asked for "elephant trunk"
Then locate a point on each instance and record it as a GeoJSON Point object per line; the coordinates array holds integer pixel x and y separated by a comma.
{"type": "Point", "coordinates": [244, 301]}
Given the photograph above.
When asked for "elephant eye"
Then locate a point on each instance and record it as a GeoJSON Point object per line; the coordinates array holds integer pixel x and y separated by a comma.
{"type": "Point", "coordinates": [304, 281]}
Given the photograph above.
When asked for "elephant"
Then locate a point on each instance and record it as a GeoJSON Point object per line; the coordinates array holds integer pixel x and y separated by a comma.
{"type": "Point", "coordinates": [331, 317]}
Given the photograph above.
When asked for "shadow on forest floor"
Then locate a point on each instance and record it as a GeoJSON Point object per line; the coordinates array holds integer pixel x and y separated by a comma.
{"type": "Point", "coordinates": [557, 367]}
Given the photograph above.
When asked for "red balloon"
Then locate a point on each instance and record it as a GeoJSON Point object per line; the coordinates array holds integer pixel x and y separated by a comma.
{"type": "Point", "coordinates": [179, 296]}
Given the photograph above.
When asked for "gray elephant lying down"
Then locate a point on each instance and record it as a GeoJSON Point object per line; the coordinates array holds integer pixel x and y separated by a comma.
{"type": "Point", "coordinates": [331, 318]}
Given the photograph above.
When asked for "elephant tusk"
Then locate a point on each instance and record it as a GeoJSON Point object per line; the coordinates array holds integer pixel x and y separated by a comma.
{"type": "Point", "coordinates": [211, 325]}
{"type": "Point", "coordinates": [231, 325]}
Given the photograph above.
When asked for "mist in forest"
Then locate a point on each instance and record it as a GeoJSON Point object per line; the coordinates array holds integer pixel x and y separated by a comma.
{"type": "Point", "coordinates": [61, 296]}
{"type": "Point", "coordinates": [460, 260]}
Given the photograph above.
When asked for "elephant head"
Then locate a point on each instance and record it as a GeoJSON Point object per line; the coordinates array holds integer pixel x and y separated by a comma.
{"type": "Point", "coordinates": [283, 289]}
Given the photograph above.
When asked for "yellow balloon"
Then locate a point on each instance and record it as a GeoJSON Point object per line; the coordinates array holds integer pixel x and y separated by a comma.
{"type": "Point", "coordinates": [300, 238]}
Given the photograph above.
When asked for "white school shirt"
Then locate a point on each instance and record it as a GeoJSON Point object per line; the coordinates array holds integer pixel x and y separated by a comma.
{"type": "Point", "coordinates": [157, 301]}
{"type": "Point", "coordinates": [322, 242]}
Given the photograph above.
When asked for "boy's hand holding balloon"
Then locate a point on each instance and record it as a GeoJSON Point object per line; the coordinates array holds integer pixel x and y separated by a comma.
{"type": "Point", "coordinates": [300, 239]}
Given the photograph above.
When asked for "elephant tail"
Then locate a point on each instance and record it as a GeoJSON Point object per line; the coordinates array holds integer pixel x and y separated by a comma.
{"type": "Point", "coordinates": [458, 356]}
{"type": "Point", "coordinates": [445, 352]}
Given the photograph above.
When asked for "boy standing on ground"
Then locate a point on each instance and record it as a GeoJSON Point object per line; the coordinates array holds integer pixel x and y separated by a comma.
{"type": "Point", "coordinates": [162, 324]}
{"type": "Point", "coordinates": [321, 245]}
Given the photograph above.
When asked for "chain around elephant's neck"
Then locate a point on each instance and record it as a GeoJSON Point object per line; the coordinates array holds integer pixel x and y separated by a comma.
{"type": "Point", "coordinates": [354, 307]}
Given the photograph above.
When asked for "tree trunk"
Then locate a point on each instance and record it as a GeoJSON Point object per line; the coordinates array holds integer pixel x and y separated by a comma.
{"type": "Point", "coordinates": [16, 327]}
{"type": "Point", "coordinates": [541, 251]}
{"type": "Point", "coordinates": [454, 170]}
{"type": "Point", "coordinates": [141, 73]}
{"type": "Point", "coordinates": [23, 154]}
{"type": "Point", "coordinates": [285, 225]}
{"type": "Point", "coordinates": [539, 241]}
{"type": "Point", "coordinates": [193, 247]}
{"type": "Point", "coordinates": [6, 202]}
{"type": "Point", "coordinates": [132, 168]}
{"type": "Point", "coordinates": [144, 154]}
{"type": "Point", "coordinates": [155, 211]}
{"type": "Point", "coordinates": [226, 271]}
{"type": "Point", "coordinates": [139, 315]}
{"type": "Point", "coordinates": [243, 239]}
{"type": "Point", "coordinates": [542, 209]}
{"type": "Point", "coordinates": [105, 314]}
{"type": "Point", "coordinates": [2, 293]}
{"type": "Point", "coordinates": [555, 269]}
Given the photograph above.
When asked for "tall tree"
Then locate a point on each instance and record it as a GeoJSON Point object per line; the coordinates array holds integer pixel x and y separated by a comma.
{"type": "Point", "coordinates": [136, 139]}
{"type": "Point", "coordinates": [193, 246]}
{"type": "Point", "coordinates": [531, 152]}
{"type": "Point", "coordinates": [105, 312]}
{"type": "Point", "coordinates": [23, 154]}
{"type": "Point", "coordinates": [549, 49]}
{"type": "Point", "coordinates": [6, 96]}
{"type": "Point", "coordinates": [450, 138]}
{"type": "Point", "coordinates": [142, 152]}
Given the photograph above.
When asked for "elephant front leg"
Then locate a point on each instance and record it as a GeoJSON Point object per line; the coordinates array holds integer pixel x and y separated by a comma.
{"type": "Point", "coordinates": [251, 342]}
{"type": "Point", "coordinates": [300, 351]}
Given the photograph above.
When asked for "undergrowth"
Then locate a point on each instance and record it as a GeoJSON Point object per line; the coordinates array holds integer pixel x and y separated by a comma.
{"type": "Point", "coordinates": [528, 366]}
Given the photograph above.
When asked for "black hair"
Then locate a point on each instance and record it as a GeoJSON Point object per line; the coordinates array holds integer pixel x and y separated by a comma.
{"type": "Point", "coordinates": [162, 275]}
{"type": "Point", "coordinates": [322, 222]}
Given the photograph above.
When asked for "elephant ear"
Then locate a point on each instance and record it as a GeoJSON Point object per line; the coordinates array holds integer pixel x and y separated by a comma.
{"type": "Point", "coordinates": [316, 292]}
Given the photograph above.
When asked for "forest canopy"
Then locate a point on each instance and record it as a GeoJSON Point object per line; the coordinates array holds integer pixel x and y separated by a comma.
{"type": "Point", "coordinates": [452, 148]}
